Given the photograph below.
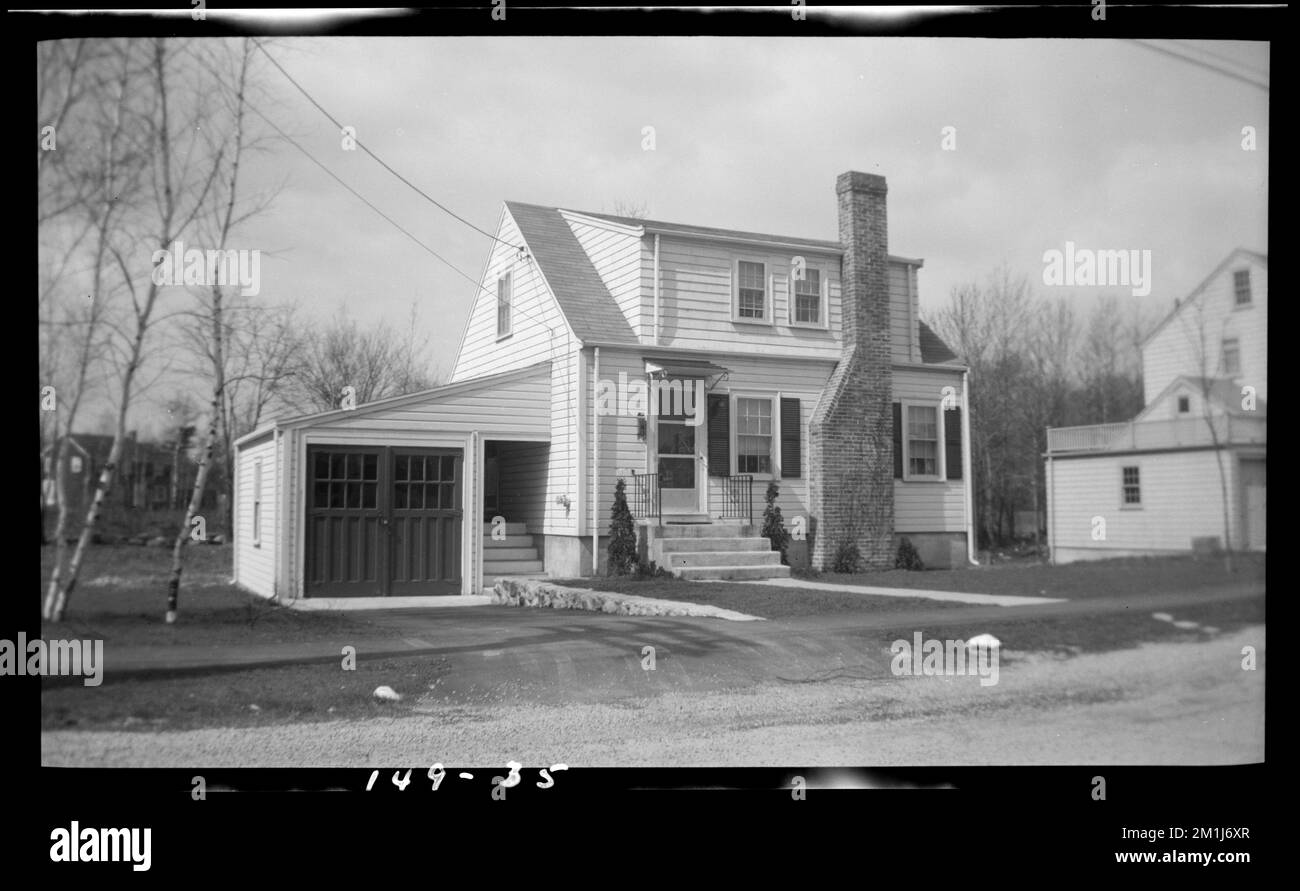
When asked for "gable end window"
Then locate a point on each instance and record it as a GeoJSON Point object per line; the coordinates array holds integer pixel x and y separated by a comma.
{"type": "Point", "coordinates": [505, 297]}
{"type": "Point", "coordinates": [1184, 405]}
{"type": "Point", "coordinates": [751, 297]}
{"type": "Point", "coordinates": [1132, 487]}
{"type": "Point", "coordinates": [1231, 356]}
{"type": "Point", "coordinates": [1241, 287]}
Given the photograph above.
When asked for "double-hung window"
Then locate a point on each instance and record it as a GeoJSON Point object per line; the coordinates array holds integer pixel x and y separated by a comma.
{"type": "Point", "coordinates": [752, 304]}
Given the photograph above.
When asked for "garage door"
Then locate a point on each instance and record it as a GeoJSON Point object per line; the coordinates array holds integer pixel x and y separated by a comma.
{"type": "Point", "coordinates": [383, 521]}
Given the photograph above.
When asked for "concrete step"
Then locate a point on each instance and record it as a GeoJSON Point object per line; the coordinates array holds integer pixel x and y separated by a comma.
{"type": "Point", "coordinates": [510, 541]}
{"type": "Point", "coordinates": [678, 559]}
{"type": "Point", "coordinates": [510, 567]}
{"type": "Point", "coordinates": [732, 572]}
{"type": "Point", "coordinates": [673, 545]}
{"type": "Point", "coordinates": [705, 530]}
{"type": "Point", "coordinates": [511, 528]}
{"type": "Point", "coordinates": [493, 555]}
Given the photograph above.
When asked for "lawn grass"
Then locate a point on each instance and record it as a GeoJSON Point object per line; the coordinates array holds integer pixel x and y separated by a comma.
{"type": "Point", "coordinates": [1100, 631]}
{"type": "Point", "coordinates": [756, 600]}
{"type": "Point", "coordinates": [1133, 576]}
{"type": "Point", "coordinates": [121, 598]}
{"type": "Point", "coordinates": [294, 693]}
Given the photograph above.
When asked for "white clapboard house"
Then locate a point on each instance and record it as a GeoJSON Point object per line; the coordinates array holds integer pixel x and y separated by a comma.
{"type": "Point", "coordinates": [1152, 485]}
{"type": "Point", "coordinates": [697, 364]}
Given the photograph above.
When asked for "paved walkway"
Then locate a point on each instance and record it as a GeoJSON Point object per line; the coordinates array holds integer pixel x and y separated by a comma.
{"type": "Point", "coordinates": [951, 596]}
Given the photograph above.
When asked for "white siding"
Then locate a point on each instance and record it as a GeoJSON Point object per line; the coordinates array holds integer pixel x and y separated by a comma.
{"type": "Point", "coordinates": [696, 299]}
{"type": "Point", "coordinates": [928, 506]}
{"type": "Point", "coordinates": [621, 451]}
{"type": "Point", "coordinates": [904, 314]}
{"type": "Point", "coordinates": [256, 561]}
{"type": "Point", "coordinates": [1175, 350]}
{"type": "Point", "coordinates": [617, 257]}
{"type": "Point", "coordinates": [1181, 500]}
{"type": "Point", "coordinates": [540, 333]}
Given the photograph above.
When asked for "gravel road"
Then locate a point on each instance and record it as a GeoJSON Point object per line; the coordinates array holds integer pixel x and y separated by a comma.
{"type": "Point", "coordinates": [1170, 703]}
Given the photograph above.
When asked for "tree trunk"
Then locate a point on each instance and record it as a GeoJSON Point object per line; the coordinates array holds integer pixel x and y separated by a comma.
{"type": "Point", "coordinates": [205, 463]}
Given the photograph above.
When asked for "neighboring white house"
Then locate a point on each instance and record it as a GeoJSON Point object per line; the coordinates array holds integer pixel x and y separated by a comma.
{"type": "Point", "coordinates": [775, 358]}
{"type": "Point", "coordinates": [1153, 485]}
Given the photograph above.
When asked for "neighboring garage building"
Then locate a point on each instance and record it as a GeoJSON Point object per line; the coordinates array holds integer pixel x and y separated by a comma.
{"type": "Point", "coordinates": [387, 499]}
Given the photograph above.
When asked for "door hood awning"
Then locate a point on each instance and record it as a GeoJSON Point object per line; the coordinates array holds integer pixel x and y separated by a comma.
{"type": "Point", "coordinates": [668, 368]}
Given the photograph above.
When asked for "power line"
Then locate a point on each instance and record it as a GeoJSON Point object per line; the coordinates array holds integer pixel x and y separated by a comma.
{"type": "Point", "coordinates": [365, 149]}
{"type": "Point", "coordinates": [513, 309]}
{"type": "Point", "coordinates": [1220, 57]}
{"type": "Point", "coordinates": [1202, 64]}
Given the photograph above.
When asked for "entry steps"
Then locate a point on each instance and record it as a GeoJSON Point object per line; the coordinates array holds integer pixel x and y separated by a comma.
{"type": "Point", "coordinates": [514, 555]}
{"type": "Point", "coordinates": [715, 551]}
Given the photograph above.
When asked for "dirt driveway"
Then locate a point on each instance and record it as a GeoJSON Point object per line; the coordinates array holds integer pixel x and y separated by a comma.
{"type": "Point", "coordinates": [1167, 703]}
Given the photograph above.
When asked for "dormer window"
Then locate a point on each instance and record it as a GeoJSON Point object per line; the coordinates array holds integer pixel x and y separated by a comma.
{"type": "Point", "coordinates": [751, 297]}
{"type": "Point", "coordinates": [1184, 405]}
{"type": "Point", "coordinates": [1241, 287]}
{"type": "Point", "coordinates": [505, 287]}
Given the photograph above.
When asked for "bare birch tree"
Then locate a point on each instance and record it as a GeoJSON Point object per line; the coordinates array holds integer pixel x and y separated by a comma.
{"type": "Point", "coordinates": [171, 121]}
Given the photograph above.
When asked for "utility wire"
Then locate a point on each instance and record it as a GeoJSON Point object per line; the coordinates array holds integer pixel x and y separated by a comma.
{"type": "Point", "coordinates": [1222, 58]}
{"type": "Point", "coordinates": [380, 160]}
{"type": "Point", "coordinates": [1202, 64]}
{"type": "Point", "coordinates": [513, 309]}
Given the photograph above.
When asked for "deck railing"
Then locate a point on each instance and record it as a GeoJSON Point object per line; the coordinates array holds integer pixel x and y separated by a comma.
{"type": "Point", "coordinates": [1158, 434]}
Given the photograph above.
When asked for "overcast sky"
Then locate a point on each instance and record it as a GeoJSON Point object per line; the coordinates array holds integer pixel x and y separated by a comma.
{"type": "Point", "coordinates": [1104, 143]}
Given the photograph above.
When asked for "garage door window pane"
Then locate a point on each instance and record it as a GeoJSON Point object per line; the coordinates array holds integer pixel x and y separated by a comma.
{"type": "Point", "coordinates": [321, 495]}
{"type": "Point", "coordinates": [354, 495]}
{"type": "Point", "coordinates": [399, 496]}
{"type": "Point", "coordinates": [417, 498]}
{"type": "Point", "coordinates": [336, 466]}
{"type": "Point", "coordinates": [336, 495]}
{"type": "Point", "coordinates": [354, 467]}
{"type": "Point", "coordinates": [402, 467]}
{"type": "Point", "coordinates": [448, 467]}
{"type": "Point", "coordinates": [368, 494]}
{"type": "Point", "coordinates": [371, 467]}
{"type": "Point", "coordinates": [322, 465]}
{"type": "Point", "coordinates": [417, 468]}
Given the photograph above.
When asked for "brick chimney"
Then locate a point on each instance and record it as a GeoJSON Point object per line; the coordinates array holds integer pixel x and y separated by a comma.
{"type": "Point", "coordinates": [851, 443]}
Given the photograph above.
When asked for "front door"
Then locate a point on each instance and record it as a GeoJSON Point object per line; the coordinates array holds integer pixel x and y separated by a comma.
{"type": "Point", "coordinates": [678, 468]}
{"type": "Point", "coordinates": [678, 407]}
{"type": "Point", "coordinates": [383, 521]}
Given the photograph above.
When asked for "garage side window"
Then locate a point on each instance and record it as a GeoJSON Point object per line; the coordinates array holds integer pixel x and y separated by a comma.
{"type": "Point", "coordinates": [257, 503]}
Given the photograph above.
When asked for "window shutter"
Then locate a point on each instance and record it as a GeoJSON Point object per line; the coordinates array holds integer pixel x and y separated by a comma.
{"type": "Point", "coordinates": [719, 434]}
{"type": "Point", "coordinates": [898, 440]}
{"type": "Point", "coordinates": [952, 442]}
{"type": "Point", "coordinates": [791, 456]}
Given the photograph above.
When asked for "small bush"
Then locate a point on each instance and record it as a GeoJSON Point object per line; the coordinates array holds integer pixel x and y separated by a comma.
{"type": "Point", "coordinates": [622, 534]}
{"type": "Point", "coordinates": [847, 559]}
{"type": "Point", "coordinates": [651, 570]}
{"type": "Point", "coordinates": [773, 524]}
{"type": "Point", "coordinates": [907, 557]}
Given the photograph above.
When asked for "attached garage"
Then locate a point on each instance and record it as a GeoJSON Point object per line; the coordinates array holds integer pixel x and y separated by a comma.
{"type": "Point", "coordinates": [383, 500]}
